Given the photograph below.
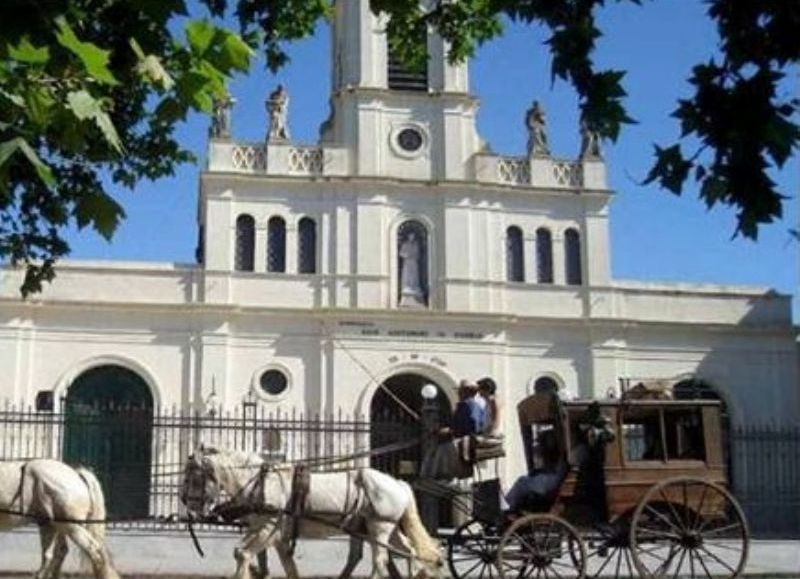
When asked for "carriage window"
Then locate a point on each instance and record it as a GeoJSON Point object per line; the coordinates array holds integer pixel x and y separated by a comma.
{"type": "Point", "coordinates": [684, 428]}
{"type": "Point", "coordinates": [663, 434]}
{"type": "Point", "coordinates": [641, 432]}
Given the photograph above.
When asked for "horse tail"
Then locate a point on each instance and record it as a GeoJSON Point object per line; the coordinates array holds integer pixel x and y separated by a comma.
{"type": "Point", "coordinates": [411, 524]}
{"type": "Point", "coordinates": [97, 509]}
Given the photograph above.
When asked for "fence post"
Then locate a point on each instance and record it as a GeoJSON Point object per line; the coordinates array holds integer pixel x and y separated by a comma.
{"type": "Point", "coordinates": [429, 504]}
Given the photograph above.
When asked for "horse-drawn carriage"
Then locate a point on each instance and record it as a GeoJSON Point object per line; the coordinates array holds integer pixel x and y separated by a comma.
{"type": "Point", "coordinates": [637, 487]}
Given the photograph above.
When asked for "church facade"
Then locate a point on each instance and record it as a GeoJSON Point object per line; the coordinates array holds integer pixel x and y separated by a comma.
{"type": "Point", "coordinates": [398, 251]}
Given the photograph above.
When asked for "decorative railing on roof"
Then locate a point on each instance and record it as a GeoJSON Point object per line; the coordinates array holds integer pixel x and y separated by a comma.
{"type": "Point", "coordinates": [306, 160]}
{"type": "Point", "coordinates": [567, 173]}
{"type": "Point", "coordinates": [544, 172]}
{"type": "Point", "coordinates": [276, 159]}
{"type": "Point", "coordinates": [249, 158]}
{"type": "Point", "coordinates": [514, 170]}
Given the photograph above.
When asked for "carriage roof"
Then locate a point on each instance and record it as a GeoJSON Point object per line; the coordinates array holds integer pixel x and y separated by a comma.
{"type": "Point", "coordinates": [546, 406]}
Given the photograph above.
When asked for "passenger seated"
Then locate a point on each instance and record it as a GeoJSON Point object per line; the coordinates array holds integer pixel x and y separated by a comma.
{"type": "Point", "coordinates": [538, 490]}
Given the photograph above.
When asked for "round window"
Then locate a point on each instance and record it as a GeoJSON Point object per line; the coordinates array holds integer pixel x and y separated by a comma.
{"type": "Point", "coordinates": [273, 382]}
{"type": "Point", "coordinates": [409, 140]}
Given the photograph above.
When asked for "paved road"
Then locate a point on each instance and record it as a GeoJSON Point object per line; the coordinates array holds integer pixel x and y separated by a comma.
{"type": "Point", "coordinates": [172, 554]}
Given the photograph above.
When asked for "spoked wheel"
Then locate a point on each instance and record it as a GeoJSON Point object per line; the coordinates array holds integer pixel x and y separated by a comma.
{"type": "Point", "coordinates": [608, 551]}
{"type": "Point", "coordinates": [689, 527]}
{"type": "Point", "coordinates": [541, 546]}
{"type": "Point", "coordinates": [472, 551]}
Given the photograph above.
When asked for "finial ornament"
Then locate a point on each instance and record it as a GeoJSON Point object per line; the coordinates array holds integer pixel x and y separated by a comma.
{"type": "Point", "coordinates": [278, 110]}
{"type": "Point", "coordinates": [590, 142]}
{"type": "Point", "coordinates": [221, 117]}
{"type": "Point", "coordinates": [537, 131]}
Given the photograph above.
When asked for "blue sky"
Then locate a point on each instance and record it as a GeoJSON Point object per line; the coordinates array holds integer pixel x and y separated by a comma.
{"type": "Point", "coordinates": [654, 235]}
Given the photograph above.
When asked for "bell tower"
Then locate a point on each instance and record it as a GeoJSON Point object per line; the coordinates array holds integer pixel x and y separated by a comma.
{"type": "Point", "coordinates": [395, 122]}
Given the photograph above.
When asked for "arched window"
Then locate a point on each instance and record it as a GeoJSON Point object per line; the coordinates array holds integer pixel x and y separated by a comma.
{"type": "Point", "coordinates": [544, 256]}
{"type": "Point", "coordinates": [245, 243]}
{"type": "Point", "coordinates": [412, 265]}
{"type": "Point", "coordinates": [515, 260]}
{"type": "Point", "coordinates": [307, 246]}
{"type": "Point", "coordinates": [545, 384]}
{"type": "Point", "coordinates": [572, 257]}
{"type": "Point", "coordinates": [276, 244]}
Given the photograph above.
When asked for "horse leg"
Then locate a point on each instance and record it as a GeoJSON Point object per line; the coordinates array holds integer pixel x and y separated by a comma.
{"type": "Point", "coordinates": [287, 559]}
{"type": "Point", "coordinates": [263, 565]}
{"type": "Point", "coordinates": [413, 564]}
{"type": "Point", "coordinates": [61, 552]}
{"type": "Point", "coordinates": [354, 555]}
{"type": "Point", "coordinates": [253, 543]}
{"type": "Point", "coordinates": [93, 550]}
{"type": "Point", "coordinates": [379, 533]}
{"type": "Point", "coordinates": [47, 536]}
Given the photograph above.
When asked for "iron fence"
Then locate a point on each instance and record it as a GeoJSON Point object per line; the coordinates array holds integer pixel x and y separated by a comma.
{"type": "Point", "coordinates": [138, 453]}
{"type": "Point", "coordinates": [765, 472]}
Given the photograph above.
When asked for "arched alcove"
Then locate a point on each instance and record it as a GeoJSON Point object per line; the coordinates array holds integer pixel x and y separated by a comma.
{"type": "Point", "coordinates": [109, 428]}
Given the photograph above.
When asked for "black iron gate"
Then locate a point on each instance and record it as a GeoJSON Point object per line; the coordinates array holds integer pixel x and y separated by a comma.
{"type": "Point", "coordinates": [108, 427]}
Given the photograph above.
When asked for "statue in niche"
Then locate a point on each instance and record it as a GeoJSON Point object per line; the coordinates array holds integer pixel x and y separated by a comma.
{"type": "Point", "coordinates": [278, 110]}
{"type": "Point", "coordinates": [221, 117]}
{"type": "Point", "coordinates": [590, 142]}
{"type": "Point", "coordinates": [537, 131]}
{"type": "Point", "coordinates": [411, 291]}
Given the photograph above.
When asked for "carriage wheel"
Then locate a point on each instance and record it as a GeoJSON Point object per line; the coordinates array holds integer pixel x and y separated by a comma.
{"type": "Point", "coordinates": [541, 546]}
{"type": "Point", "coordinates": [689, 527]}
{"type": "Point", "coordinates": [608, 551]}
{"type": "Point", "coordinates": [472, 551]}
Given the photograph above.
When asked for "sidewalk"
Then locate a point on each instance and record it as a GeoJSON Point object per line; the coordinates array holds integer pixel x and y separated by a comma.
{"type": "Point", "coordinates": [172, 554]}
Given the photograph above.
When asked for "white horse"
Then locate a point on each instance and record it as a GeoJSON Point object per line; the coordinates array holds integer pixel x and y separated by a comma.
{"type": "Point", "coordinates": [359, 501]}
{"type": "Point", "coordinates": [64, 502]}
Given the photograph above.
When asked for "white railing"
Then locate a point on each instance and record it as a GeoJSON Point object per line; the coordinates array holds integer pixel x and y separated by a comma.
{"type": "Point", "coordinates": [249, 158]}
{"type": "Point", "coordinates": [567, 174]}
{"type": "Point", "coordinates": [514, 170]}
{"type": "Point", "coordinates": [306, 160]}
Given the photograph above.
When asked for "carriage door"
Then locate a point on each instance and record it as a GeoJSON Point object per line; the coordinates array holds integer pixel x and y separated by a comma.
{"type": "Point", "coordinates": [109, 428]}
{"type": "Point", "coordinates": [390, 423]}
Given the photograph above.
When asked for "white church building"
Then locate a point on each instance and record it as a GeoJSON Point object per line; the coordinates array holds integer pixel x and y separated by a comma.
{"type": "Point", "coordinates": [398, 250]}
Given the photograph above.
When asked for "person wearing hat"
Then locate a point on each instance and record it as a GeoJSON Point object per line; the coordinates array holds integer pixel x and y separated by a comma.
{"type": "Point", "coordinates": [469, 417]}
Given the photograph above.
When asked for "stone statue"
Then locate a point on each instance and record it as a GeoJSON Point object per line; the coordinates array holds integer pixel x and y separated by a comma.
{"type": "Point", "coordinates": [278, 109]}
{"type": "Point", "coordinates": [221, 117]}
{"type": "Point", "coordinates": [537, 131]}
{"type": "Point", "coordinates": [590, 142]}
{"type": "Point", "coordinates": [411, 294]}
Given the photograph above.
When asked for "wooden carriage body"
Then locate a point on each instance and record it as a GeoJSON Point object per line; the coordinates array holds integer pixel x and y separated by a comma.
{"type": "Point", "coordinates": [654, 440]}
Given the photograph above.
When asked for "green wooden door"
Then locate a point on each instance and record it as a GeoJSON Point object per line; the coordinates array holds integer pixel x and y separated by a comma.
{"type": "Point", "coordinates": [109, 428]}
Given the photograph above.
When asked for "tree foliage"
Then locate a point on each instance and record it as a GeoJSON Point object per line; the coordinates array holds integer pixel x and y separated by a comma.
{"type": "Point", "coordinates": [91, 92]}
{"type": "Point", "coordinates": [735, 129]}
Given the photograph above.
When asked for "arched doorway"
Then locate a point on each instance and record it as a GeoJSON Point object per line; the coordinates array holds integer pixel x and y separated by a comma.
{"type": "Point", "coordinates": [699, 389]}
{"type": "Point", "coordinates": [109, 428]}
{"type": "Point", "coordinates": [390, 423]}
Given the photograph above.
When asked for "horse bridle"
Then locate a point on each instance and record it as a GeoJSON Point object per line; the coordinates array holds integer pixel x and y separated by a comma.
{"type": "Point", "coordinates": [191, 482]}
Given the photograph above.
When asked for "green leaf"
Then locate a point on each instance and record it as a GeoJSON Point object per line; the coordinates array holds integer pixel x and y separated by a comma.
{"type": "Point", "coordinates": [150, 67]}
{"type": "Point", "coordinates": [236, 52]}
{"type": "Point", "coordinates": [85, 106]}
{"type": "Point", "coordinates": [27, 52]}
{"type": "Point", "coordinates": [94, 59]}
{"type": "Point", "coordinates": [200, 33]}
{"type": "Point", "coordinates": [9, 147]}
{"type": "Point", "coordinates": [14, 98]}
{"type": "Point", "coordinates": [101, 211]}
{"type": "Point", "coordinates": [39, 104]}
